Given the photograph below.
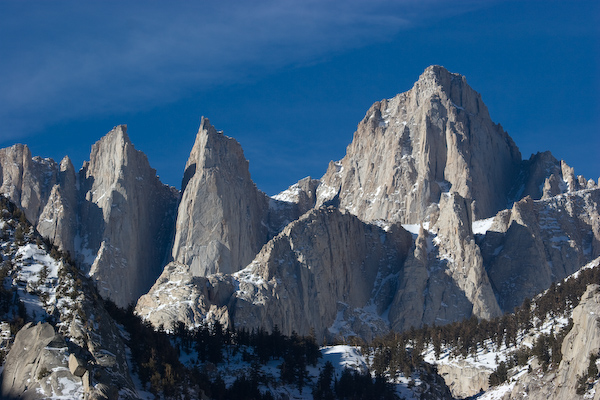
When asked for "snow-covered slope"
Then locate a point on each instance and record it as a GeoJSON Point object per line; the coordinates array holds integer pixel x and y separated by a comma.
{"type": "Point", "coordinates": [542, 361]}
{"type": "Point", "coordinates": [54, 314]}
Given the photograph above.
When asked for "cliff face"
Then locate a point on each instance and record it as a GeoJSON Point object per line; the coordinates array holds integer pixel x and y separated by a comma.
{"type": "Point", "coordinates": [26, 181]}
{"type": "Point", "coordinates": [580, 343]}
{"type": "Point", "coordinates": [444, 278]}
{"type": "Point", "coordinates": [114, 215]}
{"type": "Point", "coordinates": [59, 221]}
{"type": "Point", "coordinates": [408, 150]}
{"type": "Point", "coordinates": [326, 266]}
{"type": "Point", "coordinates": [126, 217]}
{"type": "Point", "coordinates": [537, 242]}
{"type": "Point", "coordinates": [327, 271]}
{"type": "Point", "coordinates": [220, 222]}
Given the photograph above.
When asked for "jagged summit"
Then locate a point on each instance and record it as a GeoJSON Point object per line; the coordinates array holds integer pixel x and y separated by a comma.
{"type": "Point", "coordinates": [212, 149]}
{"type": "Point", "coordinates": [419, 157]}
{"type": "Point", "coordinates": [455, 87]}
{"type": "Point", "coordinates": [392, 236]}
{"type": "Point", "coordinates": [126, 217]}
{"type": "Point", "coordinates": [113, 215]}
{"type": "Point", "coordinates": [435, 138]}
{"type": "Point", "coordinates": [220, 223]}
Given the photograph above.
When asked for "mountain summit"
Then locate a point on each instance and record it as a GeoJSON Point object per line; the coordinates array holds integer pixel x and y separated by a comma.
{"type": "Point", "coordinates": [432, 217]}
{"type": "Point", "coordinates": [431, 156]}
{"type": "Point", "coordinates": [436, 138]}
{"type": "Point", "coordinates": [219, 223]}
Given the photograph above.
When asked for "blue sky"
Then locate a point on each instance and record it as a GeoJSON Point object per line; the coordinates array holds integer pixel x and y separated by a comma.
{"type": "Point", "coordinates": [290, 80]}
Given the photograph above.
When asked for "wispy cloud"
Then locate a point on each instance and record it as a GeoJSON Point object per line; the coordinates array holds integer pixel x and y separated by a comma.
{"type": "Point", "coordinates": [74, 59]}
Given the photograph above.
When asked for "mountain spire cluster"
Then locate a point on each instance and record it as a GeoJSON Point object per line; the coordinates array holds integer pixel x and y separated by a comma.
{"type": "Point", "coordinates": [431, 217]}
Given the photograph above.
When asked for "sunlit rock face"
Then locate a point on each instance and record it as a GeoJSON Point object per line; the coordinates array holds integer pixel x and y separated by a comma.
{"type": "Point", "coordinates": [221, 218]}
{"type": "Point", "coordinates": [430, 156]}
{"type": "Point", "coordinates": [115, 216]}
{"type": "Point", "coordinates": [437, 137]}
{"type": "Point", "coordinates": [221, 250]}
{"type": "Point", "coordinates": [582, 341]}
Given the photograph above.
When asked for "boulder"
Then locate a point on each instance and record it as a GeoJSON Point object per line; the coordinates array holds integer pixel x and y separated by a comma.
{"type": "Point", "coordinates": [36, 365]}
{"type": "Point", "coordinates": [76, 366]}
{"type": "Point", "coordinates": [464, 379]}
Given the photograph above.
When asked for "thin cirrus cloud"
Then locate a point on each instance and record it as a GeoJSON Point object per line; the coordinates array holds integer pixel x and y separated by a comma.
{"type": "Point", "coordinates": [71, 60]}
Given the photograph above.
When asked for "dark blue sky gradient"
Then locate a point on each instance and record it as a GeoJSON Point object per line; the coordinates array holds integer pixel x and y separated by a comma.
{"type": "Point", "coordinates": [293, 101]}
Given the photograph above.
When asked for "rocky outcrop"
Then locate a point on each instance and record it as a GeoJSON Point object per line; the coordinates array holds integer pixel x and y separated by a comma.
{"type": "Point", "coordinates": [538, 242]}
{"type": "Point", "coordinates": [36, 366]}
{"type": "Point", "coordinates": [58, 220]}
{"type": "Point", "coordinates": [45, 191]}
{"type": "Point", "coordinates": [444, 279]}
{"type": "Point", "coordinates": [126, 218]}
{"type": "Point", "coordinates": [79, 350]}
{"type": "Point", "coordinates": [199, 299]}
{"type": "Point", "coordinates": [543, 177]}
{"type": "Point", "coordinates": [39, 365]}
{"type": "Point", "coordinates": [114, 216]}
{"type": "Point", "coordinates": [408, 150]}
{"type": "Point", "coordinates": [98, 352]}
{"type": "Point", "coordinates": [290, 204]}
{"type": "Point", "coordinates": [457, 244]}
{"type": "Point", "coordinates": [26, 181]}
{"type": "Point", "coordinates": [464, 379]}
{"type": "Point", "coordinates": [221, 218]}
{"type": "Point", "coordinates": [582, 341]}
{"type": "Point", "coordinates": [536, 174]}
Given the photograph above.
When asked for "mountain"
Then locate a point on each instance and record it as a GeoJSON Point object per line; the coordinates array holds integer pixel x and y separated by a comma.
{"type": "Point", "coordinates": [436, 138]}
{"type": "Point", "coordinates": [220, 219]}
{"type": "Point", "coordinates": [114, 215]}
{"type": "Point", "coordinates": [432, 157]}
{"type": "Point", "coordinates": [429, 156]}
{"type": "Point", "coordinates": [431, 218]}
{"type": "Point", "coordinates": [126, 218]}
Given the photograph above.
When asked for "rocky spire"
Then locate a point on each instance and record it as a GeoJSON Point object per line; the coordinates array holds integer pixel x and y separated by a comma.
{"type": "Point", "coordinates": [220, 219]}
{"type": "Point", "coordinates": [126, 218]}
{"type": "Point", "coordinates": [58, 221]}
{"type": "Point", "coordinates": [26, 181]}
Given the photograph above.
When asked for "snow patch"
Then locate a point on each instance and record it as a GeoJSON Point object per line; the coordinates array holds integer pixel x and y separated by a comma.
{"type": "Point", "coordinates": [481, 226]}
